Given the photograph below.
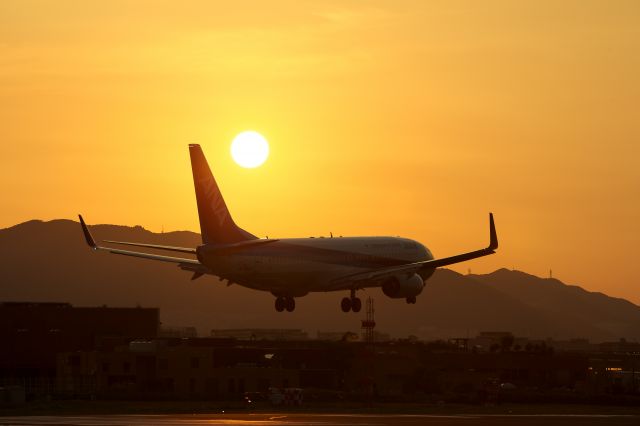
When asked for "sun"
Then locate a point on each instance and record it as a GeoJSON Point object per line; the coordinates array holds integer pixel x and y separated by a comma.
{"type": "Point", "coordinates": [249, 149]}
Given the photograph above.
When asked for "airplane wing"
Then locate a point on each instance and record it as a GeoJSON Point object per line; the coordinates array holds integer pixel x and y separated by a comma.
{"type": "Point", "coordinates": [414, 267]}
{"type": "Point", "coordinates": [154, 246]}
{"type": "Point", "coordinates": [220, 249]}
{"type": "Point", "coordinates": [191, 263]}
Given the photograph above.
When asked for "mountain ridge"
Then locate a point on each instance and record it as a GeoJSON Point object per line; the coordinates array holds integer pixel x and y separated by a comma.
{"type": "Point", "coordinates": [49, 261]}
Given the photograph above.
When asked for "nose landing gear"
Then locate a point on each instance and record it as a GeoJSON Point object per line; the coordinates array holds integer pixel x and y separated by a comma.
{"type": "Point", "coordinates": [352, 303]}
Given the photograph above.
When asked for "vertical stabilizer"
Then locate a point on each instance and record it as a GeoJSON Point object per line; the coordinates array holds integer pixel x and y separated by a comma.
{"type": "Point", "coordinates": [216, 224]}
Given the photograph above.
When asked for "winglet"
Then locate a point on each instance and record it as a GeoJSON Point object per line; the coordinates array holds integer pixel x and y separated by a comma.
{"type": "Point", "coordinates": [87, 234]}
{"type": "Point", "coordinates": [493, 236]}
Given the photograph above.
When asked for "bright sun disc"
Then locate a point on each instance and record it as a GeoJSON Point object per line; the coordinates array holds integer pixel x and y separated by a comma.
{"type": "Point", "coordinates": [249, 149]}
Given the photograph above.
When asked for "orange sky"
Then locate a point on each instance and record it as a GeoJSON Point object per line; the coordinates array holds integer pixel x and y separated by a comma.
{"type": "Point", "coordinates": [410, 118]}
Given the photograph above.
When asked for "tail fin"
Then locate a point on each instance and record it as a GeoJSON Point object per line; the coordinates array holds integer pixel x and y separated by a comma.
{"type": "Point", "coordinates": [216, 224]}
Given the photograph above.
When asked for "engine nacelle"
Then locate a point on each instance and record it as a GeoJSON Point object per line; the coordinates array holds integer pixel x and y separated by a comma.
{"type": "Point", "coordinates": [398, 288]}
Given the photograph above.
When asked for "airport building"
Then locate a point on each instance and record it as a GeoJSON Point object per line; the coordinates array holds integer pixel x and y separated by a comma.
{"type": "Point", "coordinates": [292, 334]}
{"type": "Point", "coordinates": [32, 334]}
{"type": "Point", "coordinates": [171, 369]}
{"type": "Point", "coordinates": [60, 351]}
{"type": "Point", "coordinates": [177, 332]}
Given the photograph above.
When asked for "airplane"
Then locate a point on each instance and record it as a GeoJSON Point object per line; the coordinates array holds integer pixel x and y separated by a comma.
{"type": "Point", "coordinates": [290, 268]}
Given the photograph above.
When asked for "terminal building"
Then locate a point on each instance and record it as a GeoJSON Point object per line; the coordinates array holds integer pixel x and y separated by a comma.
{"type": "Point", "coordinates": [60, 351]}
{"type": "Point", "coordinates": [205, 368]}
{"type": "Point", "coordinates": [32, 334]}
{"type": "Point", "coordinates": [276, 334]}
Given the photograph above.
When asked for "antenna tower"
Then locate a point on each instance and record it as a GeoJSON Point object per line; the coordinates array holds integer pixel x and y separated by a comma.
{"type": "Point", "coordinates": [369, 323]}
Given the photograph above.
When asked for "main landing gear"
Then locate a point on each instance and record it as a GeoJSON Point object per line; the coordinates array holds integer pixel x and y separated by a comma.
{"type": "Point", "coordinates": [352, 303]}
{"type": "Point", "coordinates": [411, 300]}
{"type": "Point", "coordinates": [285, 302]}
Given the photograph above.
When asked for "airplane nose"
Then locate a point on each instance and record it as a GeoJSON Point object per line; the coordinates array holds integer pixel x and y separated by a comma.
{"type": "Point", "coordinates": [426, 252]}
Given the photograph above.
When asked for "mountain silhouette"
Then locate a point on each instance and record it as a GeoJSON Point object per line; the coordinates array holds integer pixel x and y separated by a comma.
{"type": "Point", "coordinates": [50, 262]}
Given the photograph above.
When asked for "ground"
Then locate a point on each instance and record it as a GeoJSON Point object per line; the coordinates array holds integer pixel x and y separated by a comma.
{"type": "Point", "coordinates": [322, 419]}
{"type": "Point", "coordinates": [117, 413]}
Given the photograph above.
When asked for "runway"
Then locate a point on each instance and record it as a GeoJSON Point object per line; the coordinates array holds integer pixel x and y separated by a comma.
{"type": "Point", "coordinates": [276, 419]}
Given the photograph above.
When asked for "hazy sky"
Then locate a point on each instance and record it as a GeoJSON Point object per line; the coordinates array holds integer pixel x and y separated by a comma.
{"type": "Point", "coordinates": [411, 118]}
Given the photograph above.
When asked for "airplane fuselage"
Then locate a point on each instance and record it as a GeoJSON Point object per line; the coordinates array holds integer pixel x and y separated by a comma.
{"type": "Point", "coordinates": [297, 266]}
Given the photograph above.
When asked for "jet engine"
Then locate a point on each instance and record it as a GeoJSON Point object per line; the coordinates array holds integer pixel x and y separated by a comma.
{"type": "Point", "coordinates": [400, 287]}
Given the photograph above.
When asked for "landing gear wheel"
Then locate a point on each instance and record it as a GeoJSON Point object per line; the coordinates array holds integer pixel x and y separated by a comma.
{"type": "Point", "coordinates": [411, 300]}
{"type": "Point", "coordinates": [290, 304]}
{"type": "Point", "coordinates": [346, 304]}
{"type": "Point", "coordinates": [356, 304]}
{"type": "Point", "coordinates": [280, 303]}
